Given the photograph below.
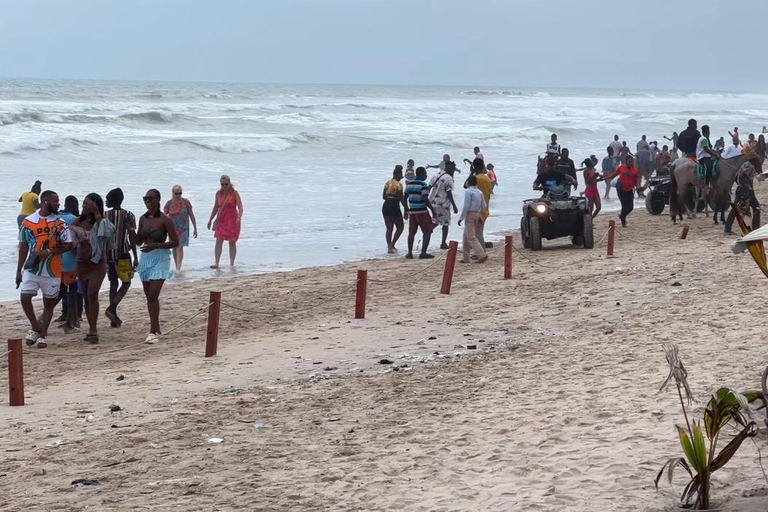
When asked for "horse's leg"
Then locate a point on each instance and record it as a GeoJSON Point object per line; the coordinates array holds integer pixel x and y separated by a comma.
{"type": "Point", "coordinates": [705, 196]}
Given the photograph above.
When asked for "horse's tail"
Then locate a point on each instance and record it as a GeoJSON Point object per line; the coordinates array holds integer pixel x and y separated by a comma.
{"type": "Point", "coordinates": [674, 201]}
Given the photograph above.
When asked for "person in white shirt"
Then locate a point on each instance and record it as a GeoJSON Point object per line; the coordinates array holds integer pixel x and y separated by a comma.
{"type": "Point", "coordinates": [616, 145]}
{"type": "Point", "coordinates": [474, 204]}
{"type": "Point", "coordinates": [553, 147]}
{"type": "Point", "coordinates": [733, 149]}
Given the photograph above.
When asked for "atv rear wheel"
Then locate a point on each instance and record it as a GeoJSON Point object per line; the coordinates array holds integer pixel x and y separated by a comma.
{"type": "Point", "coordinates": [654, 203]}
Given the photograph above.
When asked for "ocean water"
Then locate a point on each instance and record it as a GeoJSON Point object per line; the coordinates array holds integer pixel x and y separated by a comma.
{"type": "Point", "coordinates": [309, 161]}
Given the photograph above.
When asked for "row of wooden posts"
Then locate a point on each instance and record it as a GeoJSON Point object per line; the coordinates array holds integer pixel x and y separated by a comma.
{"type": "Point", "coordinates": [15, 347]}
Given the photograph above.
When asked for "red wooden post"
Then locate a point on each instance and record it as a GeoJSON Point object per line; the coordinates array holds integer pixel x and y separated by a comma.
{"type": "Point", "coordinates": [15, 373]}
{"type": "Point", "coordinates": [508, 257]}
{"type": "Point", "coordinates": [362, 287]}
{"type": "Point", "coordinates": [611, 233]}
{"type": "Point", "coordinates": [450, 263]}
{"type": "Point", "coordinates": [684, 234]}
{"type": "Point", "coordinates": [212, 338]}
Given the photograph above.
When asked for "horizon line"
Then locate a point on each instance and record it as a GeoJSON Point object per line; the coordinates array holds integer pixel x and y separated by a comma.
{"type": "Point", "coordinates": [362, 84]}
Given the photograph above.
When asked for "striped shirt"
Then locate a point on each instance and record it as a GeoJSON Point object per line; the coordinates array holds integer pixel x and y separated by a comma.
{"type": "Point", "coordinates": [124, 222]}
{"type": "Point", "coordinates": [416, 191]}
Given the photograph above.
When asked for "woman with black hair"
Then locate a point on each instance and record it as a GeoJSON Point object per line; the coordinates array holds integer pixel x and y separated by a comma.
{"type": "Point", "coordinates": [93, 235]}
{"type": "Point", "coordinates": [156, 236]}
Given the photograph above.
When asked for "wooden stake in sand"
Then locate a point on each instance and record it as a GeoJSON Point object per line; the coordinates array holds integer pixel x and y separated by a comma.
{"type": "Point", "coordinates": [684, 234]}
{"type": "Point", "coordinates": [212, 338]}
{"type": "Point", "coordinates": [362, 287]}
{"type": "Point", "coordinates": [611, 233]}
{"type": "Point", "coordinates": [15, 373]}
{"type": "Point", "coordinates": [450, 264]}
{"type": "Point", "coordinates": [508, 257]}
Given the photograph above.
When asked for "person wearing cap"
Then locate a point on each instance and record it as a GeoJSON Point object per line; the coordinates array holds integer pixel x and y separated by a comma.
{"type": "Point", "coordinates": [120, 265]}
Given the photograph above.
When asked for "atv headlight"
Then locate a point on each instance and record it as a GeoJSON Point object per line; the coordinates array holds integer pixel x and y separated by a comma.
{"type": "Point", "coordinates": [541, 208]}
{"type": "Point", "coordinates": [582, 206]}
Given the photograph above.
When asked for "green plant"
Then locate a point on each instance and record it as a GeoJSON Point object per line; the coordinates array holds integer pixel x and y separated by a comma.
{"type": "Point", "coordinates": [701, 457]}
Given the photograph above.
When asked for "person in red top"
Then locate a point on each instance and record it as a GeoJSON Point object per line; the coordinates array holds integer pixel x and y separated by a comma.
{"type": "Point", "coordinates": [627, 181]}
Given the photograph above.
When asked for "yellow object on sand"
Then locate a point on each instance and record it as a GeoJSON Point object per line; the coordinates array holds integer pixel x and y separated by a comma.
{"type": "Point", "coordinates": [753, 243]}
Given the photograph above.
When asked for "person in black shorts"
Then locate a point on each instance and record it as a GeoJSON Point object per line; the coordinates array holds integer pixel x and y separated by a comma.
{"type": "Point", "coordinates": [393, 217]}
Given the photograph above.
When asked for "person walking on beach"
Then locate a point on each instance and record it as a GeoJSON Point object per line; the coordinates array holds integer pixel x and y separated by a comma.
{"type": "Point", "coordinates": [225, 220]}
{"type": "Point", "coordinates": [609, 167]}
{"type": "Point", "coordinates": [120, 265]}
{"type": "Point", "coordinates": [157, 236]}
{"type": "Point", "coordinates": [417, 211]}
{"type": "Point", "coordinates": [486, 187]}
{"type": "Point", "coordinates": [616, 146]}
{"type": "Point", "coordinates": [179, 209]}
{"type": "Point", "coordinates": [627, 177]}
{"type": "Point", "coordinates": [441, 196]}
{"type": "Point", "coordinates": [390, 210]}
{"type": "Point", "coordinates": [43, 238]}
{"type": "Point", "coordinates": [591, 177]}
{"type": "Point", "coordinates": [673, 140]}
{"type": "Point", "coordinates": [71, 300]}
{"type": "Point", "coordinates": [491, 171]}
{"type": "Point", "coordinates": [93, 235]}
{"type": "Point", "coordinates": [473, 206]}
{"type": "Point", "coordinates": [29, 202]}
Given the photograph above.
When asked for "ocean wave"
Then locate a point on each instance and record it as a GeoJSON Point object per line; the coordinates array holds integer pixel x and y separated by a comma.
{"type": "Point", "coordinates": [249, 145]}
{"type": "Point", "coordinates": [529, 94]}
{"type": "Point", "coordinates": [43, 145]}
{"type": "Point", "coordinates": [152, 116]}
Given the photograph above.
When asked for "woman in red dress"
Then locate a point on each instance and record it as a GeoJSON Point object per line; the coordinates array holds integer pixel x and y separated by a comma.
{"type": "Point", "coordinates": [225, 220]}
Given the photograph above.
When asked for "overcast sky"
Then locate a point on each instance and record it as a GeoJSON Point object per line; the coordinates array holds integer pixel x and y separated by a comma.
{"type": "Point", "coordinates": [671, 44]}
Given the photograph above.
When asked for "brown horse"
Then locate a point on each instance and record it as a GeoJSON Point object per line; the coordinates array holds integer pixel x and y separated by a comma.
{"type": "Point", "coordinates": [683, 178]}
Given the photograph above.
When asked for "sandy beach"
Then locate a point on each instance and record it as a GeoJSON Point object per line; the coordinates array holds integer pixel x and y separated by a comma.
{"type": "Point", "coordinates": [557, 408]}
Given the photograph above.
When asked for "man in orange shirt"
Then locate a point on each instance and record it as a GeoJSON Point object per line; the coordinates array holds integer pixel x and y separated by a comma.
{"type": "Point", "coordinates": [42, 240]}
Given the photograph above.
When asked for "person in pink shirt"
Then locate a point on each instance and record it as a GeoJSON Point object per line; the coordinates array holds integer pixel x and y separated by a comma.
{"type": "Point", "coordinates": [492, 176]}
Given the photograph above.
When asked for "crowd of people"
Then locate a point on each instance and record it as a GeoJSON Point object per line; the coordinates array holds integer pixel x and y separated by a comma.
{"type": "Point", "coordinates": [428, 204]}
{"type": "Point", "coordinates": [630, 172]}
{"type": "Point", "coordinates": [65, 254]}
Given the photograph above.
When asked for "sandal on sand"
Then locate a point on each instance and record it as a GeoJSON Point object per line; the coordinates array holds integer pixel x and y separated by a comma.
{"type": "Point", "coordinates": [152, 338]}
{"type": "Point", "coordinates": [41, 343]}
{"type": "Point", "coordinates": [31, 338]}
{"type": "Point", "coordinates": [93, 339]}
{"type": "Point", "coordinates": [482, 259]}
{"type": "Point", "coordinates": [68, 329]}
